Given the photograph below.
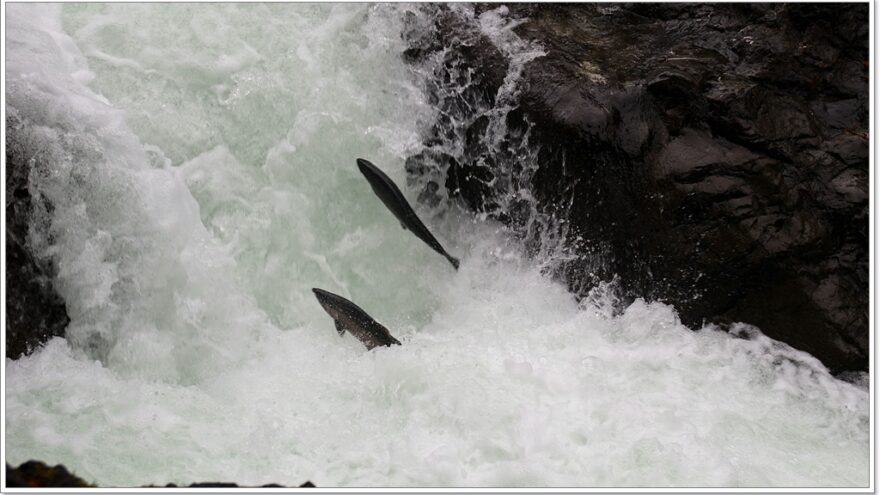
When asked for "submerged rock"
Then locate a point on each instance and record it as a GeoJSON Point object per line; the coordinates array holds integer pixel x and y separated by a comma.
{"type": "Point", "coordinates": [35, 474]}
{"type": "Point", "coordinates": [714, 156]}
{"type": "Point", "coordinates": [212, 484]}
{"type": "Point", "coordinates": [35, 312]}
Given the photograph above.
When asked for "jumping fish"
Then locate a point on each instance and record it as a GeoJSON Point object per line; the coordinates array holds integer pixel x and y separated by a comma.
{"type": "Point", "coordinates": [348, 316]}
{"type": "Point", "coordinates": [390, 194]}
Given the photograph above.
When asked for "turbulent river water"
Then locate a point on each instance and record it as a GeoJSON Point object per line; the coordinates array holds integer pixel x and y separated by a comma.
{"type": "Point", "coordinates": [200, 164]}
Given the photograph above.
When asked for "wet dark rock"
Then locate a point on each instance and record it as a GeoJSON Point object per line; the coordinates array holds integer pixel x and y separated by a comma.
{"type": "Point", "coordinates": [212, 484]}
{"type": "Point", "coordinates": [715, 156]}
{"type": "Point", "coordinates": [36, 474]}
{"type": "Point", "coordinates": [34, 310]}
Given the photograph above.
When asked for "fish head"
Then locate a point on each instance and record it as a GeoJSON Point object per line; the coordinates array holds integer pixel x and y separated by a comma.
{"type": "Point", "coordinates": [366, 167]}
{"type": "Point", "coordinates": [329, 301]}
{"type": "Point", "coordinates": [374, 176]}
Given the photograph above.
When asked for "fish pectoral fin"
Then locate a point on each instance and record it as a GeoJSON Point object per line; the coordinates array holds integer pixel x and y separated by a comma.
{"type": "Point", "coordinates": [339, 327]}
{"type": "Point", "coordinates": [403, 226]}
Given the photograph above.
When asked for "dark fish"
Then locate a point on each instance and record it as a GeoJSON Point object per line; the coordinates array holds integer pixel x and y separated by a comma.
{"type": "Point", "coordinates": [348, 316]}
{"type": "Point", "coordinates": [390, 194]}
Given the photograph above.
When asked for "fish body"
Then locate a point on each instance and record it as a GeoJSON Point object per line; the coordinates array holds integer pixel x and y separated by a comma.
{"type": "Point", "coordinates": [394, 200]}
{"type": "Point", "coordinates": [348, 316]}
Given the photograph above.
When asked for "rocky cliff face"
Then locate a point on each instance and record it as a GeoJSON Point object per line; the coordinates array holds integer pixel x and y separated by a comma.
{"type": "Point", "coordinates": [34, 310]}
{"type": "Point", "coordinates": [713, 156]}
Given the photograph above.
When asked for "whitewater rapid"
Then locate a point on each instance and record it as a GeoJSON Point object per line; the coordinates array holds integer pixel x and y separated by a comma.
{"type": "Point", "coordinates": [199, 160]}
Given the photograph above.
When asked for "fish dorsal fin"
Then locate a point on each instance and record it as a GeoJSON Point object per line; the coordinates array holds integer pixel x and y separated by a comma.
{"type": "Point", "coordinates": [339, 327]}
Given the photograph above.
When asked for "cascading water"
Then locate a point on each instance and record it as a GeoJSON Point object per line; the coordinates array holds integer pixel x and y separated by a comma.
{"type": "Point", "coordinates": [479, 145]}
{"type": "Point", "coordinates": [195, 164]}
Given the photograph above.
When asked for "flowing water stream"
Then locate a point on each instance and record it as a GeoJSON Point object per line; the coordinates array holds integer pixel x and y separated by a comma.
{"type": "Point", "coordinates": [198, 161]}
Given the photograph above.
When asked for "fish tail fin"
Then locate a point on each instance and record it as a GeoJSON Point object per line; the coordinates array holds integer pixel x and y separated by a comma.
{"type": "Point", "coordinates": [452, 260]}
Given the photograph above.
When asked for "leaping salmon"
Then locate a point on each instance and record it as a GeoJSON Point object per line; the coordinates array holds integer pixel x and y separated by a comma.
{"type": "Point", "coordinates": [394, 200]}
{"type": "Point", "coordinates": [349, 316]}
